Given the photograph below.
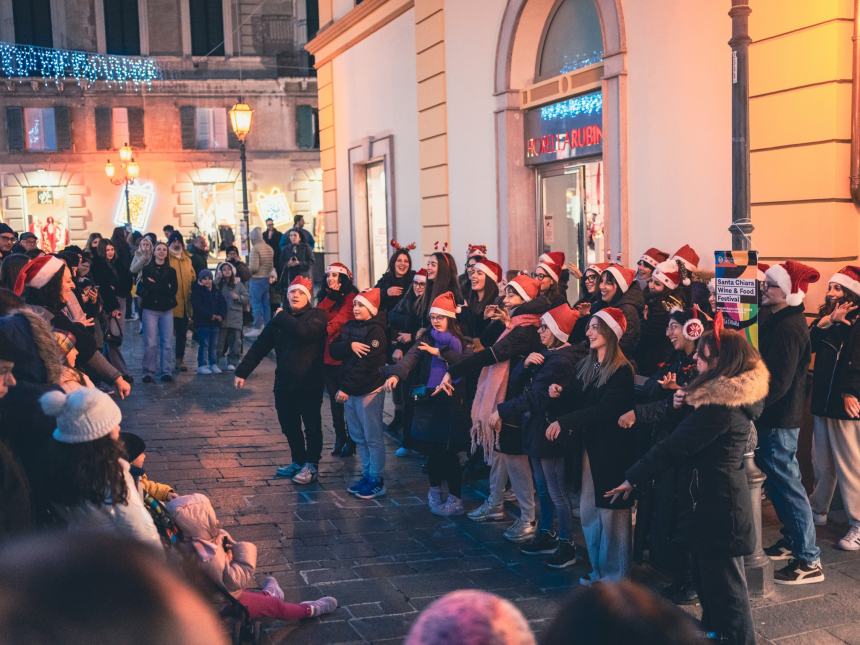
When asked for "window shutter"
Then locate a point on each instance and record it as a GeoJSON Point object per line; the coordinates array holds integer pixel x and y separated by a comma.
{"type": "Point", "coordinates": [63, 127]}
{"type": "Point", "coordinates": [104, 129]}
{"type": "Point", "coordinates": [187, 118]}
{"type": "Point", "coordinates": [304, 126]}
{"type": "Point", "coordinates": [232, 139]}
{"type": "Point", "coordinates": [15, 128]}
{"type": "Point", "coordinates": [135, 128]}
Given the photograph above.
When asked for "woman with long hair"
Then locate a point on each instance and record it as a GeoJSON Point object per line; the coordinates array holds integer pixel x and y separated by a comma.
{"type": "Point", "coordinates": [589, 296]}
{"type": "Point", "coordinates": [108, 272]}
{"type": "Point", "coordinates": [441, 277]}
{"type": "Point", "coordinates": [600, 392]}
{"type": "Point", "coordinates": [395, 282]}
{"type": "Point", "coordinates": [482, 290]}
{"type": "Point", "coordinates": [836, 403]}
{"type": "Point", "coordinates": [335, 299]}
{"type": "Point", "coordinates": [120, 239]}
{"type": "Point", "coordinates": [553, 277]}
{"type": "Point", "coordinates": [723, 400]}
{"type": "Point", "coordinates": [619, 289]}
{"type": "Point", "coordinates": [157, 289]}
{"type": "Point", "coordinates": [93, 241]}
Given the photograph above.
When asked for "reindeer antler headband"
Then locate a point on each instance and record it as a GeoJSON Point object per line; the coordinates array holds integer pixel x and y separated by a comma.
{"type": "Point", "coordinates": [440, 247]}
{"type": "Point", "coordinates": [397, 245]}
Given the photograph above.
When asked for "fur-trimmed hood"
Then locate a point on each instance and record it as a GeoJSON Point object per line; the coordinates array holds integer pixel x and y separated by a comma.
{"type": "Point", "coordinates": [42, 352]}
{"type": "Point", "coordinates": [739, 391]}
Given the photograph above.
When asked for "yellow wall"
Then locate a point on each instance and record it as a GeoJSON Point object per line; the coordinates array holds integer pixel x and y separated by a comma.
{"type": "Point", "coordinates": [800, 131]}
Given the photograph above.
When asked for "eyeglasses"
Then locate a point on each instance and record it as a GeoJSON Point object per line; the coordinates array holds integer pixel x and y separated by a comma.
{"type": "Point", "coordinates": [590, 278]}
{"type": "Point", "coordinates": [769, 285]}
{"type": "Point", "coordinates": [7, 238]}
{"type": "Point", "coordinates": [539, 276]}
{"type": "Point", "coordinates": [437, 317]}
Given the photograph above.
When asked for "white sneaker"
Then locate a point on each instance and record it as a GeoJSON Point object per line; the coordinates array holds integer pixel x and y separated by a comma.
{"type": "Point", "coordinates": [272, 588]}
{"type": "Point", "coordinates": [203, 369]}
{"type": "Point", "coordinates": [819, 519]}
{"type": "Point", "coordinates": [487, 513]}
{"type": "Point", "coordinates": [215, 369]}
{"type": "Point", "coordinates": [230, 368]}
{"type": "Point", "coordinates": [452, 506]}
{"type": "Point", "coordinates": [851, 541]}
{"type": "Point", "coordinates": [253, 333]}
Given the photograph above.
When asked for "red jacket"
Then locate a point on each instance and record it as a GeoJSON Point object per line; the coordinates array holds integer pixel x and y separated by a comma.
{"type": "Point", "coordinates": [337, 318]}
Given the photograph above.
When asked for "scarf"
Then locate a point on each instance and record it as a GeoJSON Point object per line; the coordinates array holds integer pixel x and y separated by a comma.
{"type": "Point", "coordinates": [492, 387]}
{"type": "Point", "coordinates": [175, 255]}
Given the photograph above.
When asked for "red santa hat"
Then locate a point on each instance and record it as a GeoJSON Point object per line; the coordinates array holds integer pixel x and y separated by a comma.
{"type": "Point", "coordinates": [301, 283]}
{"type": "Point", "coordinates": [339, 267]}
{"type": "Point", "coordinates": [688, 257]}
{"type": "Point", "coordinates": [37, 273]}
{"type": "Point", "coordinates": [476, 251]}
{"type": "Point", "coordinates": [560, 321]}
{"type": "Point", "coordinates": [598, 267]}
{"type": "Point", "coordinates": [794, 279]}
{"type": "Point", "coordinates": [552, 263]}
{"type": "Point", "coordinates": [445, 305]}
{"type": "Point", "coordinates": [667, 274]}
{"type": "Point", "coordinates": [847, 277]}
{"type": "Point", "coordinates": [420, 276]}
{"type": "Point", "coordinates": [370, 298]}
{"type": "Point", "coordinates": [614, 319]}
{"type": "Point", "coordinates": [652, 257]}
{"type": "Point", "coordinates": [760, 271]}
{"type": "Point", "coordinates": [490, 268]}
{"type": "Point", "coordinates": [623, 276]}
{"type": "Point", "coordinates": [527, 287]}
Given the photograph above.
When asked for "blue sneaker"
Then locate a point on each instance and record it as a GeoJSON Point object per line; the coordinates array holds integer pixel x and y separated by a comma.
{"type": "Point", "coordinates": [288, 471]}
{"type": "Point", "coordinates": [357, 486]}
{"type": "Point", "coordinates": [373, 488]}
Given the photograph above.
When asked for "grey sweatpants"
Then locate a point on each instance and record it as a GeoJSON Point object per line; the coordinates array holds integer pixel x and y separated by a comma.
{"type": "Point", "coordinates": [229, 343]}
{"type": "Point", "coordinates": [835, 455]}
{"type": "Point", "coordinates": [518, 469]}
{"type": "Point", "coordinates": [608, 532]}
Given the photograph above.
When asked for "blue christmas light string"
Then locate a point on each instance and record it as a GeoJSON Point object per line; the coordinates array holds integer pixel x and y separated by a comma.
{"type": "Point", "coordinates": [583, 104]}
{"type": "Point", "coordinates": [28, 61]}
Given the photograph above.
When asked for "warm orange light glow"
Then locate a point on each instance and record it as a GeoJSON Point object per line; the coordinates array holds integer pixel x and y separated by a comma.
{"type": "Point", "coordinates": [241, 115]}
{"type": "Point", "coordinates": [125, 153]}
{"type": "Point", "coordinates": [132, 170]}
{"type": "Point", "coordinates": [110, 170]}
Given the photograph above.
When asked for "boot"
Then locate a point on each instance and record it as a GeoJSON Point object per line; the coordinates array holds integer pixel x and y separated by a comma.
{"type": "Point", "coordinates": [348, 449]}
{"type": "Point", "coordinates": [339, 442]}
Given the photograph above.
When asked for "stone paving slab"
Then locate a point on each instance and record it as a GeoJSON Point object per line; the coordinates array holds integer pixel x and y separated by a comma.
{"type": "Point", "coordinates": [387, 559]}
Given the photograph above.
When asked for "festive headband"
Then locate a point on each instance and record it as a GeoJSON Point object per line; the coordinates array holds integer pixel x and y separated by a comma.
{"type": "Point", "coordinates": [481, 248]}
{"type": "Point", "coordinates": [441, 247]}
{"type": "Point", "coordinates": [397, 245]}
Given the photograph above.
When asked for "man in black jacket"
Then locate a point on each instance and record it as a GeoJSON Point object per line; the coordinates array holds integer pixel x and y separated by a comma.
{"type": "Point", "coordinates": [786, 350]}
{"type": "Point", "coordinates": [298, 337]}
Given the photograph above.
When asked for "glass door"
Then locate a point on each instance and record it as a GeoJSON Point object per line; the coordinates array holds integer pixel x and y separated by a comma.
{"type": "Point", "coordinates": [377, 219]}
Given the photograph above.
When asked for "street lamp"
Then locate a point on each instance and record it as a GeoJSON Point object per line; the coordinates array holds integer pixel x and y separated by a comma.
{"type": "Point", "coordinates": [241, 115]}
{"type": "Point", "coordinates": [130, 172]}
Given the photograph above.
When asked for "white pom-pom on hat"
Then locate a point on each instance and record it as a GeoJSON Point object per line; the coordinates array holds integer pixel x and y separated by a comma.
{"type": "Point", "coordinates": [53, 402]}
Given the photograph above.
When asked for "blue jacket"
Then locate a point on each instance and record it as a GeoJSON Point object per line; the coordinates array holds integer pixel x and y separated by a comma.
{"type": "Point", "coordinates": [206, 303]}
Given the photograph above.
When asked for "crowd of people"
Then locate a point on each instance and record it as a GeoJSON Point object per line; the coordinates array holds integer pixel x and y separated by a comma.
{"type": "Point", "coordinates": [577, 394]}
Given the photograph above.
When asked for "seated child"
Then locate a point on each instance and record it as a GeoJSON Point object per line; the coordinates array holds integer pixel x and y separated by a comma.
{"type": "Point", "coordinates": [232, 564]}
{"type": "Point", "coordinates": [135, 447]}
{"type": "Point", "coordinates": [71, 378]}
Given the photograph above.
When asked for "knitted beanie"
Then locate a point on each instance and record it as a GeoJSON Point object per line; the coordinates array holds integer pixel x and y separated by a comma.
{"type": "Point", "coordinates": [84, 415]}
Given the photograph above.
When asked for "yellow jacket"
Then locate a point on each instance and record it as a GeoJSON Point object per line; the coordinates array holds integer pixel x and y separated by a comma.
{"type": "Point", "coordinates": [157, 490]}
{"type": "Point", "coordinates": [185, 278]}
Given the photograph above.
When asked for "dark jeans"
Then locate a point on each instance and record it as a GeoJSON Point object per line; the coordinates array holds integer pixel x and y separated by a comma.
{"type": "Point", "coordinates": [722, 588]}
{"type": "Point", "coordinates": [295, 408]}
{"type": "Point", "coordinates": [444, 466]}
{"type": "Point", "coordinates": [180, 331]}
{"type": "Point", "coordinates": [330, 375]}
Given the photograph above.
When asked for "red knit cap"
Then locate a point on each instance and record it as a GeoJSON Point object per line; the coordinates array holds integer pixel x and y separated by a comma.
{"type": "Point", "coordinates": [688, 256]}
{"type": "Point", "coordinates": [614, 319]}
{"type": "Point", "coordinates": [301, 283]}
{"type": "Point", "coordinates": [794, 279]}
{"type": "Point", "coordinates": [444, 305]}
{"type": "Point", "coordinates": [552, 263]}
{"type": "Point", "coordinates": [490, 268]}
{"type": "Point", "coordinates": [667, 274]}
{"type": "Point", "coordinates": [653, 256]}
{"type": "Point", "coordinates": [560, 321]}
{"type": "Point", "coordinates": [527, 287]}
{"type": "Point", "coordinates": [37, 273]}
{"type": "Point", "coordinates": [623, 276]}
{"type": "Point", "coordinates": [849, 278]}
{"type": "Point", "coordinates": [420, 275]}
{"type": "Point", "coordinates": [339, 267]}
{"type": "Point", "coordinates": [370, 298]}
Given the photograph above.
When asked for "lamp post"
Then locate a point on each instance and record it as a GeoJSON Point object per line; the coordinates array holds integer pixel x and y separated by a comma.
{"type": "Point", "coordinates": [241, 115]}
{"type": "Point", "coordinates": [130, 172]}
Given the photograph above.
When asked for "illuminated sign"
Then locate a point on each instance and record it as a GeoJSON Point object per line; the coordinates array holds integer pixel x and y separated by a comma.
{"type": "Point", "coordinates": [564, 129]}
{"type": "Point", "coordinates": [141, 199]}
{"type": "Point", "coordinates": [274, 205]}
{"type": "Point", "coordinates": [47, 217]}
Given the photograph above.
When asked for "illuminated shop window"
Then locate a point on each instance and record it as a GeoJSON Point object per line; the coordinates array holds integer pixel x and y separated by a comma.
{"type": "Point", "coordinates": [47, 216]}
{"type": "Point", "coordinates": [40, 132]}
{"type": "Point", "coordinates": [215, 214]}
{"type": "Point", "coordinates": [573, 39]}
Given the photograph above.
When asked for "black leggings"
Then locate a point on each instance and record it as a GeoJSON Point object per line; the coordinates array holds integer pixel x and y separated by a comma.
{"type": "Point", "coordinates": [444, 465]}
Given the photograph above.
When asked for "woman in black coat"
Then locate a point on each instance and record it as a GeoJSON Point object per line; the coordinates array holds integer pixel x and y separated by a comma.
{"type": "Point", "coordinates": [726, 397]}
{"type": "Point", "coordinates": [619, 289]}
{"type": "Point", "coordinates": [397, 279]}
{"type": "Point", "coordinates": [111, 277]}
{"type": "Point", "coordinates": [600, 393]}
{"type": "Point", "coordinates": [157, 288]}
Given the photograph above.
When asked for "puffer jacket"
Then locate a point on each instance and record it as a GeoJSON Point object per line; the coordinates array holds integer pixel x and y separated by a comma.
{"type": "Point", "coordinates": [195, 517]}
{"type": "Point", "coordinates": [262, 257]}
{"type": "Point", "coordinates": [632, 304]}
{"type": "Point", "coordinates": [233, 319]}
{"type": "Point", "coordinates": [185, 278]}
{"type": "Point", "coordinates": [361, 375]}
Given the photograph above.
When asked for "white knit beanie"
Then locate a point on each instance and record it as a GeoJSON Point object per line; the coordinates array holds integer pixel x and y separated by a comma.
{"type": "Point", "coordinates": [84, 415]}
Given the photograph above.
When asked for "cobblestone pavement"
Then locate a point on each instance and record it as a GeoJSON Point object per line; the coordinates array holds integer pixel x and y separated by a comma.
{"type": "Point", "coordinates": [386, 559]}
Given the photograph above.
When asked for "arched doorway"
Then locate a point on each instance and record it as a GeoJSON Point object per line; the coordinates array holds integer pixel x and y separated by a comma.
{"type": "Point", "coordinates": [551, 51]}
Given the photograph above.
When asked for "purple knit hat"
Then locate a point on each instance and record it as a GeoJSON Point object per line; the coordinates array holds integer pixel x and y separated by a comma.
{"type": "Point", "coordinates": [470, 617]}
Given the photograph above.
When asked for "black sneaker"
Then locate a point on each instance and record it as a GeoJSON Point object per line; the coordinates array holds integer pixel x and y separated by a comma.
{"type": "Point", "coordinates": [681, 594]}
{"type": "Point", "coordinates": [779, 551]}
{"type": "Point", "coordinates": [564, 556]}
{"type": "Point", "coordinates": [166, 378]}
{"type": "Point", "coordinates": [797, 572]}
{"type": "Point", "coordinates": [148, 379]}
{"type": "Point", "coordinates": [543, 543]}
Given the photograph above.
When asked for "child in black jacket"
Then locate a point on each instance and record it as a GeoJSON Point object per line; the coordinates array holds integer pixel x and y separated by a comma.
{"type": "Point", "coordinates": [209, 309]}
{"type": "Point", "coordinates": [362, 346]}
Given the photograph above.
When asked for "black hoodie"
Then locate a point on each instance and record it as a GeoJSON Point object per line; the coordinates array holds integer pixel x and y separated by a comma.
{"type": "Point", "coordinates": [361, 375]}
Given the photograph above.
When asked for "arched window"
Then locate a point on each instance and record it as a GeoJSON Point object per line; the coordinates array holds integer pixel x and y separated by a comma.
{"type": "Point", "coordinates": [573, 39]}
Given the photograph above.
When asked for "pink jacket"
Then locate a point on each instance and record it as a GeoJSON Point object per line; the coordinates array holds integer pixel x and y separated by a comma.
{"type": "Point", "coordinates": [226, 562]}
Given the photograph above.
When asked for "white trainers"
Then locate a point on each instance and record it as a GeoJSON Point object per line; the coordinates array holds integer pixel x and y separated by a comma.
{"type": "Point", "coordinates": [253, 333]}
{"type": "Point", "coordinates": [215, 369]}
{"type": "Point", "coordinates": [204, 369]}
{"type": "Point", "coordinates": [230, 368]}
{"type": "Point", "coordinates": [272, 588]}
{"type": "Point", "coordinates": [851, 541]}
{"type": "Point", "coordinates": [487, 513]}
{"type": "Point", "coordinates": [307, 475]}
{"type": "Point", "coordinates": [452, 506]}
{"type": "Point", "coordinates": [520, 531]}
{"type": "Point", "coordinates": [434, 498]}
{"type": "Point", "coordinates": [324, 605]}
{"type": "Point", "coordinates": [819, 519]}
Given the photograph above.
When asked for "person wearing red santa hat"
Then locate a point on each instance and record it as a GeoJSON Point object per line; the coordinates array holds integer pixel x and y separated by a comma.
{"type": "Point", "coordinates": [648, 261]}
{"type": "Point", "coordinates": [363, 348]}
{"type": "Point", "coordinates": [531, 408]}
{"type": "Point", "coordinates": [549, 272]}
{"type": "Point", "coordinates": [335, 299]}
{"type": "Point", "coordinates": [440, 422]}
{"type": "Point", "coordinates": [600, 393]}
{"type": "Point", "coordinates": [619, 289]}
{"type": "Point", "coordinates": [502, 443]}
{"type": "Point", "coordinates": [785, 347]}
{"type": "Point", "coordinates": [482, 289]}
{"type": "Point", "coordinates": [297, 334]}
{"type": "Point", "coordinates": [662, 296]}
{"type": "Point", "coordinates": [835, 336]}
{"type": "Point", "coordinates": [589, 296]}
{"type": "Point", "coordinates": [474, 254]}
